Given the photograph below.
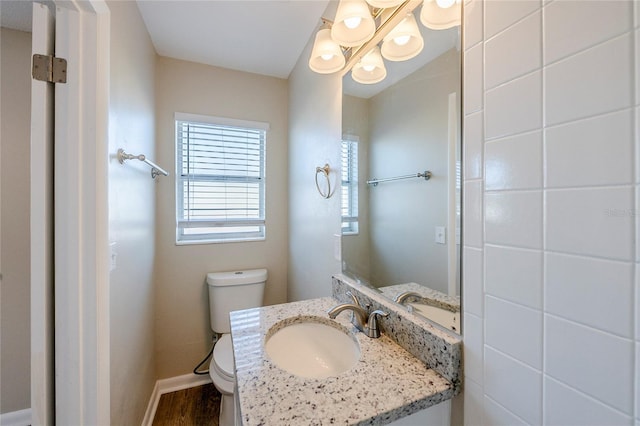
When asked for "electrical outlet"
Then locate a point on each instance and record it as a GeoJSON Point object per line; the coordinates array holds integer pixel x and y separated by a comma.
{"type": "Point", "coordinates": [441, 235]}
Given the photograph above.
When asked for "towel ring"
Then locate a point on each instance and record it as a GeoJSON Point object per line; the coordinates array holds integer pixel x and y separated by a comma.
{"type": "Point", "coordinates": [325, 171]}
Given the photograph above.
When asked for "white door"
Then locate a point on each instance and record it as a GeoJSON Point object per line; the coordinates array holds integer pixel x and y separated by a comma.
{"type": "Point", "coordinates": [81, 222]}
{"type": "Point", "coordinates": [42, 376]}
{"type": "Point", "coordinates": [70, 351]}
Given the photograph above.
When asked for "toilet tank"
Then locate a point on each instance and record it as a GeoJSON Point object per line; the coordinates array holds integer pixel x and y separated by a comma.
{"type": "Point", "coordinates": [233, 291]}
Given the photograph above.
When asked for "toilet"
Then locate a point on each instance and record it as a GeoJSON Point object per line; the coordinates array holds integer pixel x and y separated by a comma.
{"type": "Point", "coordinates": [230, 291]}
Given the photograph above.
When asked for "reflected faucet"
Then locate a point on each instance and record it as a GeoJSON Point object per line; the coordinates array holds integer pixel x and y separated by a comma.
{"type": "Point", "coordinates": [365, 322]}
{"type": "Point", "coordinates": [402, 297]}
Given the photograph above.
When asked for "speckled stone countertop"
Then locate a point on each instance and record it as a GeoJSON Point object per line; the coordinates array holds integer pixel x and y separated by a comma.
{"type": "Point", "coordinates": [386, 384]}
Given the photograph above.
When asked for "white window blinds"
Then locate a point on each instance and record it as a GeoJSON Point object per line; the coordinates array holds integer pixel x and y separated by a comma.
{"type": "Point", "coordinates": [220, 179]}
{"type": "Point", "coordinates": [349, 188]}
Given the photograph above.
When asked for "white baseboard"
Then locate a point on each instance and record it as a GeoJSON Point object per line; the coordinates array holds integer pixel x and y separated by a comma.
{"type": "Point", "coordinates": [171, 385]}
{"type": "Point", "coordinates": [16, 418]}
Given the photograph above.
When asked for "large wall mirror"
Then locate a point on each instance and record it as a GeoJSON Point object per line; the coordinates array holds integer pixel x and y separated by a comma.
{"type": "Point", "coordinates": [400, 228]}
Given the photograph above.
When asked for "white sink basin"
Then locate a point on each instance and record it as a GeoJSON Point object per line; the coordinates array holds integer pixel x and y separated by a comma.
{"type": "Point", "coordinates": [312, 349]}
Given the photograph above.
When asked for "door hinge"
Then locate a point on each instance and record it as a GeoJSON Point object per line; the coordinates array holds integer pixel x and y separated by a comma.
{"type": "Point", "coordinates": [49, 68]}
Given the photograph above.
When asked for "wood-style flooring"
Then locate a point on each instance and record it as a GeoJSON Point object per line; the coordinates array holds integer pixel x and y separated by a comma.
{"type": "Point", "coordinates": [199, 406]}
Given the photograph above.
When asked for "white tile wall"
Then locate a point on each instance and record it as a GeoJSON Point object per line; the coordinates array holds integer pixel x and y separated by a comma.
{"type": "Point", "coordinates": [513, 385]}
{"type": "Point", "coordinates": [514, 52]}
{"type": "Point", "coordinates": [497, 415]}
{"type": "Point", "coordinates": [605, 144]}
{"type": "Point", "coordinates": [473, 401]}
{"type": "Point", "coordinates": [558, 230]}
{"type": "Point", "coordinates": [637, 129]}
{"type": "Point", "coordinates": [591, 361]}
{"type": "Point", "coordinates": [500, 14]}
{"type": "Point", "coordinates": [595, 292]}
{"type": "Point", "coordinates": [473, 79]}
{"type": "Point", "coordinates": [591, 22]}
{"type": "Point", "coordinates": [565, 406]}
{"type": "Point", "coordinates": [591, 221]}
{"type": "Point", "coordinates": [637, 386]}
{"type": "Point", "coordinates": [474, 142]}
{"type": "Point", "coordinates": [514, 274]}
{"type": "Point", "coordinates": [514, 218]}
{"type": "Point", "coordinates": [472, 219]}
{"type": "Point", "coordinates": [507, 112]}
{"type": "Point", "coordinates": [520, 337]}
{"type": "Point", "coordinates": [637, 63]}
{"type": "Point", "coordinates": [514, 162]}
{"type": "Point", "coordinates": [591, 82]}
{"type": "Point", "coordinates": [473, 16]}
{"type": "Point", "coordinates": [637, 307]}
{"type": "Point", "coordinates": [473, 348]}
{"type": "Point", "coordinates": [472, 269]}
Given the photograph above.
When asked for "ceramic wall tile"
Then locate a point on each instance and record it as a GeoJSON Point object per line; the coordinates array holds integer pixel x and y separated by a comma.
{"type": "Point", "coordinates": [591, 361]}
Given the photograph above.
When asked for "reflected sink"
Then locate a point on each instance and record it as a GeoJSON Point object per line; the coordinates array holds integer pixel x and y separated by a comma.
{"type": "Point", "coordinates": [312, 349]}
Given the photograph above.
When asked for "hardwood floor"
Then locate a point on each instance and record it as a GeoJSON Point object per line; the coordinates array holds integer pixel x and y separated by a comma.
{"type": "Point", "coordinates": [199, 406]}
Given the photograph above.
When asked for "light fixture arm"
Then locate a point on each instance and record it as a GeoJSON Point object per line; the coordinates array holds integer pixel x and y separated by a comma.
{"type": "Point", "coordinates": [383, 29]}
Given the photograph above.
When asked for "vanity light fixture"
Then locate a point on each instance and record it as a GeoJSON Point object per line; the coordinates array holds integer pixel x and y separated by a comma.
{"type": "Point", "coordinates": [370, 69]}
{"type": "Point", "coordinates": [384, 4]}
{"type": "Point", "coordinates": [441, 14]}
{"type": "Point", "coordinates": [354, 25]}
{"type": "Point", "coordinates": [327, 56]}
{"type": "Point", "coordinates": [404, 41]}
{"type": "Point", "coordinates": [344, 44]}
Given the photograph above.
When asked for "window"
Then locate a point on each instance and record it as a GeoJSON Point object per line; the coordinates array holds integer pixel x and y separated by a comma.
{"type": "Point", "coordinates": [220, 185]}
{"type": "Point", "coordinates": [349, 187]}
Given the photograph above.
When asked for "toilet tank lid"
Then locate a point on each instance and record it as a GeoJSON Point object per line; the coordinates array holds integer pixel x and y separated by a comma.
{"type": "Point", "coordinates": [221, 279]}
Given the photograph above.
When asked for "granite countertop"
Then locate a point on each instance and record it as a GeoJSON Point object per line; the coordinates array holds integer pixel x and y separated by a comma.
{"type": "Point", "coordinates": [387, 383]}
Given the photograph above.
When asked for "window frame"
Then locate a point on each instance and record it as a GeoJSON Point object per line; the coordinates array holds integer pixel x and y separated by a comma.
{"type": "Point", "coordinates": [211, 238]}
{"type": "Point", "coordinates": [350, 222]}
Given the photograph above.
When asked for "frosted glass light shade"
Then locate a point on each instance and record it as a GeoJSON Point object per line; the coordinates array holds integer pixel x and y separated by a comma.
{"type": "Point", "coordinates": [404, 41]}
{"type": "Point", "coordinates": [434, 17]}
{"type": "Point", "coordinates": [384, 4]}
{"type": "Point", "coordinates": [370, 69]}
{"type": "Point", "coordinates": [326, 55]}
{"type": "Point", "coordinates": [345, 31]}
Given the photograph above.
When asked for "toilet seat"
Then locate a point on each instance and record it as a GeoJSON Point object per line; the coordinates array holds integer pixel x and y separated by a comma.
{"type": "Point", "coordinates": [221, 365]}
{"type": "Point", "coordinates": [223, 357]}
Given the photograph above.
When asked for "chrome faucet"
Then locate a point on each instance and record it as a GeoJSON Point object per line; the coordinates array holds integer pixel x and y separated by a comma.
{"type": "Point", "coordinates": [402, 297]}
{"type": "Point", "coordinates": [365, 322]}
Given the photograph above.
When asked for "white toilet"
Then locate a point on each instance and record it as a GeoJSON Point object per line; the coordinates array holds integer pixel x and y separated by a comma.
{"type": "Point", "coordinates": [230, 291]}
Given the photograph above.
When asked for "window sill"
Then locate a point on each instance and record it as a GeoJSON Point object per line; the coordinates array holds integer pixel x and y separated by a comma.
{"type": "Point", "coordinates": [234, 240]}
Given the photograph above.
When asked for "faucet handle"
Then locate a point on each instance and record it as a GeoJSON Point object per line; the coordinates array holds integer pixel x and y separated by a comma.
{"type": "Point", "coordinates": [372, 323]}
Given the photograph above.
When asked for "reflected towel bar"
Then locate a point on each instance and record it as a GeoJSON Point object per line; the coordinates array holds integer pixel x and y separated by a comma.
{"type": "Point", "coordinates": [426, 175]}
{"type": "Point", "coordinates": [155, 169]}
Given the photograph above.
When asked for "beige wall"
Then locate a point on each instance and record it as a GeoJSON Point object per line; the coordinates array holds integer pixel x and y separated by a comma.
{"type": "Point", "coordinates": [315, 110]}
{"type": "Point", "coordinates": [182, 329]}
{"type": "Point", "coordinates": [15, 94]}
{"type": "Point", "coordinates": [409, 134]}
{"type": "Point", "coordinates": [131, 215]}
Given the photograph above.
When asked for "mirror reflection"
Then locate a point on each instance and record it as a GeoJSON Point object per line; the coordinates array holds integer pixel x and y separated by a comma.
{"type": "Point", "coordinates": [401, 231]}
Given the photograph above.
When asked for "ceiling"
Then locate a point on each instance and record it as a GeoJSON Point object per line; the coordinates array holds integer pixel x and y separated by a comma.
{"type": "Point", "coordinates": [258, 36]}
{"type": "Point", "coordinates": [263, 37]}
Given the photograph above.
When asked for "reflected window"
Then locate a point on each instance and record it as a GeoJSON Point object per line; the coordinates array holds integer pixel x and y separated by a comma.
{"type": "Point", "coordinates": [349, 190]}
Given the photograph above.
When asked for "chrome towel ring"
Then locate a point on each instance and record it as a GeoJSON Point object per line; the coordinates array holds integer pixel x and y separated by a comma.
{"type": "Point", "coordinates": [325, 172]}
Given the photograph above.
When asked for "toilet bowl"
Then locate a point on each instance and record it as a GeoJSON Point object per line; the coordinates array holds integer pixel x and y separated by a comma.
{"type": "Point", "coordinates": [222, 375]}
{"type": "Point", "coordinates": [230, 291]}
